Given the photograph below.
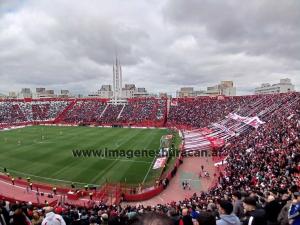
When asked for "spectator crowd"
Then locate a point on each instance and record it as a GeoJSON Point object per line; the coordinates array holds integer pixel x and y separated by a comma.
{"type": "Point", "coordinates": [259, 185]}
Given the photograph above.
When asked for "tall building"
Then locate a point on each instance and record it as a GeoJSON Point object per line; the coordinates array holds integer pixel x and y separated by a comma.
{"type": "Point", "coordinates": [128, 90]}
{"type": "Point", "coordinates": [104, 92]}
{"type": "Point", "coordinates": [141, 93]}
{"type": "Point", "coordinates": [25, 93]}
{"type": "Point", "coordinates": [12, 94]}
{"type": "Point", "coordinates": [164, 95]}
{"type": "Point", "coordinates": [224, 88]}
{"type": "Point", "coordinates": [40, 90]}
{"type": "Point", "coordinates": [64, 93]}
{"type": "Point", "coordinates": [189, 92]}
{"type": "Point", "coordinates": [116, 92]}
{"type": "Point", "coordinates": [284, 86]}
{"type": "Point", "coordinates": [117, 81]}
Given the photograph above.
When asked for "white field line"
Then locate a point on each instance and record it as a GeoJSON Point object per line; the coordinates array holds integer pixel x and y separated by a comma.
{"type": "Point", "coordinates": [150, 167]}
{"type": "Point", "coordinates": [67, 181]}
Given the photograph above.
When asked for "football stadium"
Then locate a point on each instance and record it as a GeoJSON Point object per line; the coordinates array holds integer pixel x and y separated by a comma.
{"type": "Point", "coordinates": [226, 155]}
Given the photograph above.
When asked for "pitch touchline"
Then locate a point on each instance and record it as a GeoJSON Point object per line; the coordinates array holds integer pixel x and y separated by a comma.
{"type": "Point", "coordinates": [48, 178]}
{"type": "Point", "coordinates": [67, 181]}
{"type": "Point", "coordinates": [127, 160]}
{"type": "Point", "coordinates": [34, 191]}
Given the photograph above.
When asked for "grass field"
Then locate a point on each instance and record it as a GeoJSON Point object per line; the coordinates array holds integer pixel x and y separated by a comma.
{"type": "Point", "coordinates": [45, 154]}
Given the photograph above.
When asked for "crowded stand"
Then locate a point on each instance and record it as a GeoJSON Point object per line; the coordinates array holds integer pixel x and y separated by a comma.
{"type": "Point", "coordinates": [20, 111]}
{"type": "Point", "coordinates": [111, 113]}
{"type": "Point", "coordinates": [143, 110]}
{"type": "Point", "coordinates": [201, 111]}
{"type": "Point", "coordinates": [257, 185]}
{"type": "Point", "coordinates": [135, 111]}
{"type": "Point", "coordinates": [44, 111]}
{"type": "Point", "coordinates": [84, 111]}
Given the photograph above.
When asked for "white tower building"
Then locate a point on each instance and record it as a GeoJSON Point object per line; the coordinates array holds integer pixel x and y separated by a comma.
{"type": "Point", "coordinates": [118, 97]}
{"type": "Point", "coordinates": [117, 80]}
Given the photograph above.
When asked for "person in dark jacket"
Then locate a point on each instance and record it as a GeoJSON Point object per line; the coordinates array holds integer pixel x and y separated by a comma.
{"type": "Point", "coordinates": [174, 216]}
{"type": "Point", "coordinates": [272, 210]}
{"type": "Point", "coordinates": [206, 218]}
{"type": "Point", "coordinates": [186, 218]}
{"type": "Point", "coordinates": [4, 215]}
{"type": "Point", "coordinates": [254, 215]}
{"type": "Point", "coordinates": [19, 217]}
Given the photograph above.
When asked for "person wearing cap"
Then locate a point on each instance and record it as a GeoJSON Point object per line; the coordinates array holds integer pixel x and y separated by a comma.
{"type": "Point", "coordinates": [51, 218]}
{"type": "Point", "coordinates": [294, 212]}
{"type": "Point", "coordinates": [254, 215]}
{"type": "Point", "coordinates": [226, 216]}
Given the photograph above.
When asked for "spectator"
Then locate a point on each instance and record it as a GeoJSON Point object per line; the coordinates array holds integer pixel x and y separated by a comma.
{"type": "Point", "coordinates": [226, 215]}
{"type": "Point", "coordinates": [186, 218]}
{"type": "Point", "coordinates": [283, 215]}
{"type": "Point", "coordinates": [206, 218]}
{"type": "Point", "coordinates": [294, 212]}
{"type": "Point", "coordinates": [19, 217]}
{"type": "Point", "coordinates": [272, 210]}
{"type": "Point", "coordinates": [52, 218]}
{"type": "Point", "coordinates": [238, 209]}
{"type": "Point", "coordinates": [37, 219]}
{"type": "Point", "coordinates": [254, 216]}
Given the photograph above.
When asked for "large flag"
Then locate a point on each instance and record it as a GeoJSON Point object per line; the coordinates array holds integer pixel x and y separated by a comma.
{"type": "Point", "coordinates": [255, 122]}
{"type": "Point", "coordinates": [251, 121]}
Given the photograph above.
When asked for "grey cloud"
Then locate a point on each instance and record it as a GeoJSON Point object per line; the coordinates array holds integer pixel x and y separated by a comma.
{"type": "Point", "coordinates": [163, 45]}
{"type": "Point", "coordinates": [256, 27]}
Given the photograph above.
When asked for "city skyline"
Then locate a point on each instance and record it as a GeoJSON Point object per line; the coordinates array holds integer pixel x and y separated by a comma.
{"type": "Point", "coordinates": [226, 88]}
{"type": "Point", "coordinates": [163, 45]}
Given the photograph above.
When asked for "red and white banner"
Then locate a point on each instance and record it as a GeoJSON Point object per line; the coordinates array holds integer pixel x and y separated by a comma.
{"type": "Point", "coordinates": [255, 122]}
{"type": "Point", "coordinates": [224, 129]}
{"type": "Point", "coordinates": [205, 131]}
{"type": "Point", "coordinates": [251, 121]}
{"type": "Point", "coordinates": [160, 162]}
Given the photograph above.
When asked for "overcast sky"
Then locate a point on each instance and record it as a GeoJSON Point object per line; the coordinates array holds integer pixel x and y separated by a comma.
{"type": "Point", "coordinates": [162, 44]}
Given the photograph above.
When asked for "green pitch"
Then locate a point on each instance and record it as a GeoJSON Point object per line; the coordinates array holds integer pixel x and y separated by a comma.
{"type": "Point", "coordinates": [45, 154]}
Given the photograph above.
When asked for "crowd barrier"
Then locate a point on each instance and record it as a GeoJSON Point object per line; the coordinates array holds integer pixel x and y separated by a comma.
{"type": "Point", "coordinates": [145, 195]}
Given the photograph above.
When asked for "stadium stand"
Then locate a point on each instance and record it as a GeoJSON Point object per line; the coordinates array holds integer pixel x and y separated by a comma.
{"type": "Point", "coordinates": [259, 181]}
{"type": "Point", "coordinates": [201, 111]}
